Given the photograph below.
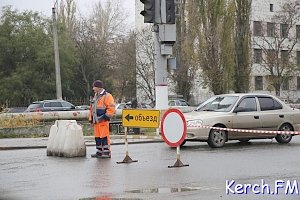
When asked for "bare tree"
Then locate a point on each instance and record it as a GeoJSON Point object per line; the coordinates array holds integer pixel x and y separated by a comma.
{"type": "Point", "coordinates": [95, 38]}
{"type": "Point", "coordinates": [187, 65]}
{"type": "Point", "coordinates": [278, 45]}
{"type": "Point", "coordinates": [86, 49]}
{"type": "Point", "coordinates": [66, 15]}
{"type": "Point", "coordinates": [124, 67]}
{"type": "Point", "coordinates": [145, 65]}
{"type": "Point", "coordinates": [108, 20]}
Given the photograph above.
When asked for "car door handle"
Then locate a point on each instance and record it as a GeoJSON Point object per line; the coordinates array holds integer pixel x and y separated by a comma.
{"type": "Point", "coordinates": [256, 117]}
{"type": "Point", "coordinates": [281, 116]}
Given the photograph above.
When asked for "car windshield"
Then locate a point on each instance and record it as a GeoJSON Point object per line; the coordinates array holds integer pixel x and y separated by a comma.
{"type": "Point", "coordinates": [218, 104]}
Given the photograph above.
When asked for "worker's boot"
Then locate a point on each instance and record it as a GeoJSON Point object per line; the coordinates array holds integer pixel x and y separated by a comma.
{"type": "Point", "coordinates": [98, 153]}
{"type": "Point", "coordinates": [106, 151]}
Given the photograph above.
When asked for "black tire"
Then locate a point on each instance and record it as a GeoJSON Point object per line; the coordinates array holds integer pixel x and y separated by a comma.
{"type": "Point", "coordinates": [217, 138]}
{"type": "Point", "coordinates": [183, 143]}
{"type": "Point", "coordinates": [284, 138]}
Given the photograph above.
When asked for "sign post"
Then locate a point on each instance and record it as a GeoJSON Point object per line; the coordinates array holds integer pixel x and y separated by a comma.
{"type": "Point", "coordinates": [127, 158]}
{"type": "Point", "coordinates": [138, 119]}
{"type": "Point", "coordinates": [174, 135]}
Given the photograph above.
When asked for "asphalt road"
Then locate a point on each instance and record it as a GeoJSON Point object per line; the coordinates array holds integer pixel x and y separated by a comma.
{"type": "Point", "coordinates": [30, 174]}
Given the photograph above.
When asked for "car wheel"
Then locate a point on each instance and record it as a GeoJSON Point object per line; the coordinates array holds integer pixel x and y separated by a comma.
{"type": "Point", "coordinates": [284, 138]}
{"type": "Point", "coordinates": [217, 138]}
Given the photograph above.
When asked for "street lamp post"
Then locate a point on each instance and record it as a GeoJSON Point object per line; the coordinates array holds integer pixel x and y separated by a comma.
{"type": "Point", "coordinates": [56, 56]}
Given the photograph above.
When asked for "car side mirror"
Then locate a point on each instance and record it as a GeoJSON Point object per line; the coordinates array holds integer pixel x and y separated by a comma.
{"type": "Point", "coordinates": [73, 107]}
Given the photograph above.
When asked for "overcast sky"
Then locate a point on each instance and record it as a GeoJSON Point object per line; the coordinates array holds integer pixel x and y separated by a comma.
{"type": "Point", "coordinates": [84, 6]}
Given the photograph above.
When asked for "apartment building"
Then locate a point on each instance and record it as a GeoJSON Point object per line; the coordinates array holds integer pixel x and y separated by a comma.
{"type": "Point", "coordinates": [275, 47]}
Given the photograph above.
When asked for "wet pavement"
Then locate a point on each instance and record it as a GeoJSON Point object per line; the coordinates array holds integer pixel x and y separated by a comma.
{"type": "Point", "coordinates": [29, 174]}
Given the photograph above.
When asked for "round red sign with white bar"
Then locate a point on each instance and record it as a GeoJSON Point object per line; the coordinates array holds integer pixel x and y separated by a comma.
{"type": "Point", "coordinates": [173, 127]}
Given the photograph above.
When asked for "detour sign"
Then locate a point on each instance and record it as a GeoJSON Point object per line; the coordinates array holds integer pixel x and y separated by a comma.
{"type": "Point", "coordinates": [140, 118]}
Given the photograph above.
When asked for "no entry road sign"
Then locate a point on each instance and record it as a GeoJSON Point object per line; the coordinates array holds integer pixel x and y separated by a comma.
{"type": "Point", "coordinates": [173, 127]}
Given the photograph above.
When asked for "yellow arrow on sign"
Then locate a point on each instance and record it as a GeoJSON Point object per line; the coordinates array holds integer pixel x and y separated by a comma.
{"type": "Point", "coordinates": [140, 118]}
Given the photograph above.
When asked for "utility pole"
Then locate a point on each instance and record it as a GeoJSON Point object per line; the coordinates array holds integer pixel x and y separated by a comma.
{"type": "Point", "coordinates": [56, 56]}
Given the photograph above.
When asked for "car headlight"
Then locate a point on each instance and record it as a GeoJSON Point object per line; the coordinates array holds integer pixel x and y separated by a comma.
{"type": "Point", "coordinates": [194, 123]}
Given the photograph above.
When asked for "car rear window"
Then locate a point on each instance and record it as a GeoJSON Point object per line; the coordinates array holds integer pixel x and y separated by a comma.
{"type": "Point", "coordinates": [268, 103]}
{"type": "Point", "coordinates": [52, 104]}
{"type": "Point", "coordinates": [66, 104]}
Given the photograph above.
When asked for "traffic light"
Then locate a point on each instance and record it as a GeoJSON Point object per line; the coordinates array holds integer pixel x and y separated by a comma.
{"type": "Point", "coordinates": [170, 11]}
{"type": "Point", "coordinates": [149, 11]}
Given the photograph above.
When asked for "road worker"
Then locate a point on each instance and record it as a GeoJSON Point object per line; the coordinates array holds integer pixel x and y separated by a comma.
{"type": "Point", "coordinates": [101, 110]}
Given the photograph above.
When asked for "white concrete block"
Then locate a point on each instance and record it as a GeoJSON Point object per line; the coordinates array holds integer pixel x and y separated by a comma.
{"type": "Point", "coordinates": [52, 135]}
{"type": "Point", "coordinates": [66, 139]}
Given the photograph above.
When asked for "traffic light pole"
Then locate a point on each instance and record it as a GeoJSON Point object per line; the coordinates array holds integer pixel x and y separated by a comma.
{"type": "Point", "coordinates": [161, 13]}
{"type": "Point", "coordinates": [161, 75]}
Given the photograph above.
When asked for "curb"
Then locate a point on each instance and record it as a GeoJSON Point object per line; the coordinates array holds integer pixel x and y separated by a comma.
{"type": "Point", "coordinates": [89, 141]}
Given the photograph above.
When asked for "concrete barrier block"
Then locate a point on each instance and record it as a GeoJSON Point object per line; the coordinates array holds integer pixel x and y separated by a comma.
{"type": "Point", "coordinates": [74, 147]}
{"type": "Point", "coordinates": [66, 139]}
{"type": "Point", "coordinates": [52, 135]}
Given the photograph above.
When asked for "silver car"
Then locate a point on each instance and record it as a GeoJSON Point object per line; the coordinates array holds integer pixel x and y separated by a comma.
{"type": "Point", "coordinates": [180, 104]}
{"type": "Point", "coordinates": [50, 106]}
{"type": "Point", "coordinates": [242, 117]}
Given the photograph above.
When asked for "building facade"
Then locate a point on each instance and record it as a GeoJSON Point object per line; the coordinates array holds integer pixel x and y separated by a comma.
{"type": "Point", "coordinates": [275, 50]}
{"type": "Point", "coordinates": [275, 47]}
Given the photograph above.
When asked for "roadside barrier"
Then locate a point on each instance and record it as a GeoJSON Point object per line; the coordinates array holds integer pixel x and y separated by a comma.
{"type": "Point", "coordinates": [116, 127]}
{"type": "Point", "coordinates": [246, 130]}
{"type": "Point", "coordinates": [66, 140]}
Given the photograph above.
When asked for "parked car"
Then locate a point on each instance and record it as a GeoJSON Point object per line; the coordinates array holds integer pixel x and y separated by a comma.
{"type": "Point", "coordinates": [180, 104]}
{"type": "Point", "coordinates": [82, 107]}
{"type": "Point", "coordinates": [144, 106]}
{"type": "Point", "coordinates": [120, 107]}
{"type": "Point", "coordinates": [50, 105]}
{"type": "Point", "coordinates": [177, 102]}
{"type": "Point", "coordinates": [241, 111]}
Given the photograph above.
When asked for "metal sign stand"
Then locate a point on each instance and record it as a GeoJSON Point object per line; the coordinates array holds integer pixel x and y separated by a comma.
{"type": "Point", "coordinates": [127, 158]}
{"type": "Point", "coordinates": [178, 162]}
{"type": "Point", "coordinates": [174, 137]}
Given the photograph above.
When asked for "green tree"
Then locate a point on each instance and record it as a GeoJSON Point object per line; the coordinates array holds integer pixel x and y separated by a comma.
{"type": "Point", "coordinates": [242, 39]}
{"type": "Point", "coordinates": [26, 62]}
{"type": "Point", "coordinates": [215, 47]}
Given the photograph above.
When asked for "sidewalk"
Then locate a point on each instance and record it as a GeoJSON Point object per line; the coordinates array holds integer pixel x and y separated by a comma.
{"type": "Point", "coordinates": [31, 143]}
